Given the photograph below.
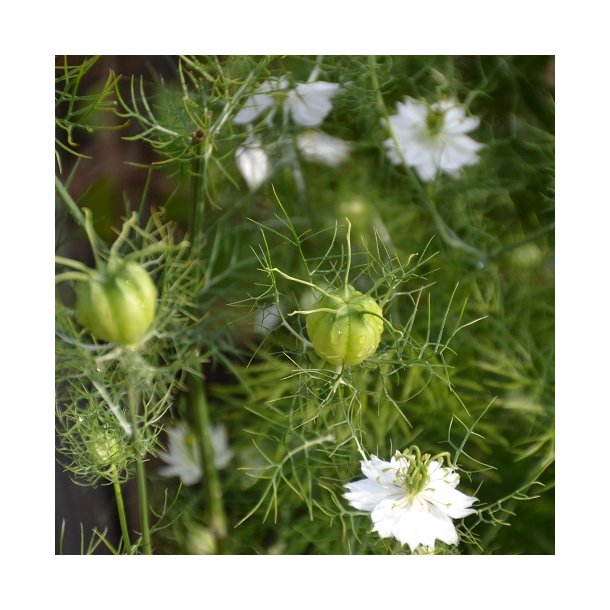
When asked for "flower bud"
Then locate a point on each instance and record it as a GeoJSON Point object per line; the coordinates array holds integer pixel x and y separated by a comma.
{"type": "Point", "coordinates": [117, 304]}
{"type": "Point", "coordinates": [200, 541]}
{"type": "Point", "coordinates": [351, 332]}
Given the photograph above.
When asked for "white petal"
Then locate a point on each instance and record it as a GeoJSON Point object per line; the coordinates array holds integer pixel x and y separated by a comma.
{"type": "Point", "coordinates": [222, 453]}
{"type": "Point", "coordinates": [365, 494]}
{"type": "Point", "coordinates": [309, 103]}
{"type": "Point", "coordinates": [183, 459]}
{"type": "Point", "coordinates": [457, 152]}
{"type": "Point", "coordinates": [392, 152]}
{"type": "Point", "coordinates": [414, 524]}
{"type": "Point", "coordinates": [462, 126]}
{"type": "Point", "coordinates": [254, 106]}
{"type": "Point", "coordinates": [317, 146]}
{"type": "Point", "coordinates": [465, 143]}
{"type": "Point", "coordinates": [450, 501]}
{"type": "Point", "coordinates": [436, 472]}
{"type": "Point", "coordinates": [425, 527]}
{"type": "Point", "coordinates": [260, 101]}
{"type": "Point", "coordinates": [399, 462]}
{"type": "Point", "coordinates": [453, 114]}
{"type": "Point", "coordinates": [252, 162]}
{"type": "Point", "coordinates": [412, 112]}
{"type": "Point", "coordinates": [451, 106]}
{"type": "Point", "coordinates": [403, 130]}
{"type": "Point", "coordinates": [182, 456]}
{"type": "Point", "coordinates": [188, 476]}
{"type": "Point", "coordinates": [386, 518]}
{"type": "Point", "coordinates": [188, 472]}
{"type": "Point", "coordinates": [378, 470]}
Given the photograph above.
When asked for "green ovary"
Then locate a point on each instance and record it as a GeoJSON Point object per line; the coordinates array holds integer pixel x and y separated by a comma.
{"type": "Point", "coordinates": [117, 305]}
{"type": "Point", "coordinates": [351, 333]}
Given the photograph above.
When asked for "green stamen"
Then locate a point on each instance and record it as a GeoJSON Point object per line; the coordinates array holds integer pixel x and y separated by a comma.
{"type": "Point", "coordinates": [435, 121]}
{"type": "Point", "coordinates": [415, 477]}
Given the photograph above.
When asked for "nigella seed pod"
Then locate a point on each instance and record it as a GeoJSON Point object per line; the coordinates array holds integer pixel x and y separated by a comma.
{"type": "Point", "coordinates": [117, 304]}
{"type": "Point", "coordinates": [350, 328]}
{"type": "Point", "coordinates": [105, 447]}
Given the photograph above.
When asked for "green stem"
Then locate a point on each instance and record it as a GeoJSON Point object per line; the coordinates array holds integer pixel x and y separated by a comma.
{"type": "Point", "coordinates": [294, 279]}
{"type": "Point", "coordinates": [68, 262]}
{"type": "Point", "coordinates": [72, 206]}
{"type": "Point", "coordinates": [531, 237]}
{"type": "Point", "coordinates": [349, 259]}
{"type": "Point", "coordinates": [306, 312]}
{"type": "Point", "coordinates": [211, 482]}
{"type": "Point", "coordinates": [197, 200]}
{"type": "Point", "coordinates": [122, 516]}
{"type": "Point", "coordinates": [218, 524]}
{"type": "Point", "coordinates": [71, 275]}
{"type": "Point", "coordinates": [118, 242]}
{"type": "Point", "coordinates": [140, 471]}
{"type": "Point", "coordinates": [447, 235]}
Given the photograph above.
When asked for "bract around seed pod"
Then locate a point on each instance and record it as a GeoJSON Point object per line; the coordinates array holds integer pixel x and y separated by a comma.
{"type": "Point", "coordinates": [350, 328]}
{"type": "Point", "coordinates": [117, 303]}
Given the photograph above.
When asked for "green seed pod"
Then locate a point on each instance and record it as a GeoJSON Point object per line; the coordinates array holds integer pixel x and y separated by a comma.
{"type": "Point", "coordinates": [117, 304]}
{"type": "Point", "coordinates": [105, 447]}
{"type": "Point", "coordinates": [349, 334]}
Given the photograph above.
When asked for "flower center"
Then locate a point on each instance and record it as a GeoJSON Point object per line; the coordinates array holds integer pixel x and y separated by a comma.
{"type": "Point", "coordinates": [414, 478]}
{"type": "Point", "coordinates": [190, 442]}
{"type": "Point", "coordinates": [435, 121]}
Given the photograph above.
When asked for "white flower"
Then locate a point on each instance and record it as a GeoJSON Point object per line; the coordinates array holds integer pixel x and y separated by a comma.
{"type": "Point", "coordinates": [183, 458]}
{"type": "Point", "coordinates": [307, 103]}
{"type": "Point", "coordinates": [319, 147]}
{"type": "Point", "coordinates": [412, 498]}
{"type": "Point", "coordinates": [252, 162]}
{"type": "Point", "coordinates": [432, 138]}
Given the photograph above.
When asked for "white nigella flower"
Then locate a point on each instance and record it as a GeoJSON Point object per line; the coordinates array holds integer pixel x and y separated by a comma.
{"type": "Point", "coordinates": [252, 162]}
{"type": "Point", "coordinates": [307, 103]}
{"type": "Point", "coordinates": [432, 138]}
{"type": "Point", "coordinates": [412, 498]}
{"type": "Point", "coordinates": [319, 147]}
{"type": "Point", "coordinates": [183, 457]}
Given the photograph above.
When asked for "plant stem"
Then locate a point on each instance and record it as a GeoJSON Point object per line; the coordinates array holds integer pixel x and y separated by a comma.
{"type": "Point", "coordinates": [197, 200]}
{"type": "Point", "coordinates": [294, 279]}
{"type": "Point", "coordinates": [70, 203]}
{"type": "Point", "coordinates": [122, 516]}
{"type": "Point", "coordinates": [140, 471]}
{"type": "Point", "coordinates": [211, 481]}
{"type": "Point", "coordinates": [349, 259]}
{"type": "Point", "coordinates": [446, 233]}
{"type": "Point", "coordinates": [528, 238]}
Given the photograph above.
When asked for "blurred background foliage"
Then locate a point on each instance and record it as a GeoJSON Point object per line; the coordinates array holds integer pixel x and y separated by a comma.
{"type": "Point", "coordinates": [133, 133]}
